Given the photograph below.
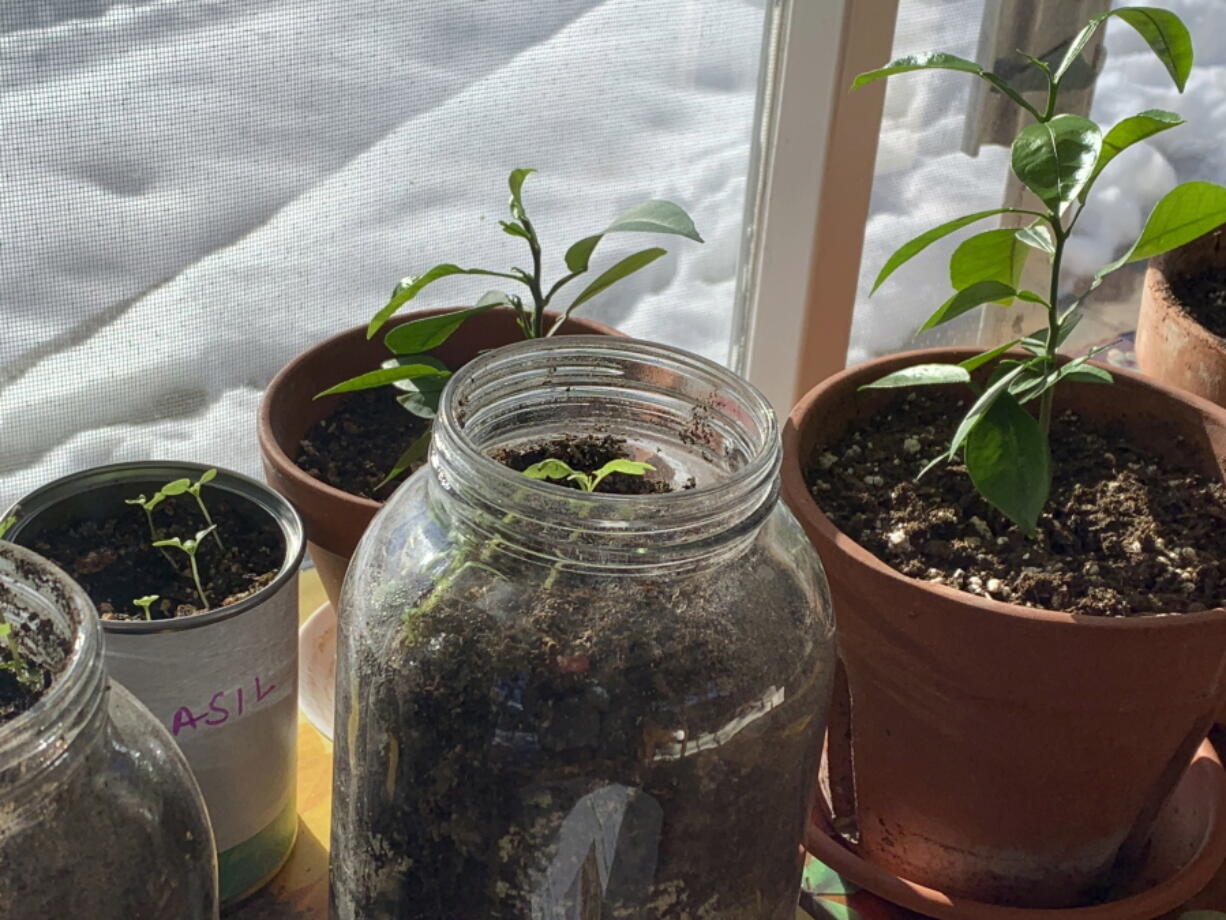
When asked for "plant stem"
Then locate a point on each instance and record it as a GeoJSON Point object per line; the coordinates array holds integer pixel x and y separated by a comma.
{"type": "Point", "coordinates": [196, 577]}
{"type": "Point", "coordinates": [1053, 319]}
{"type": "Point", "coordinates": [208, 518]}
{"type": "Point", "coordinates": [539, 300]}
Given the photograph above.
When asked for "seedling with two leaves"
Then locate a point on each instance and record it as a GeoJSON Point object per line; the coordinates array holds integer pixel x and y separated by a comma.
{"type": "Point", "coordinates": [588, 482]}
{"type": "Point", "coordinates": [421, 376]}
{"type": "Point", "coordinates": [1058, 157]}
{"type": "Point", "coordinates": [28, 676]}
{"type": "Point", "coordinates": [190, 547]}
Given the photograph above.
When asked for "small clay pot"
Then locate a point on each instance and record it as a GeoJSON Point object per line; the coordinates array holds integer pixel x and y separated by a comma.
{"type": "Point", "coordinates": [1002, 753]}
{"type": "Point", "coordinates": [335, 520]}
{"type": "Point", "coordinates": [1172, 346]}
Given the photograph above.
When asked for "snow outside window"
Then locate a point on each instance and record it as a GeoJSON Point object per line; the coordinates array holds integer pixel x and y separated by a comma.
{"type": "Point", "coordinates": [922, 177]}
{"type": "Point", "coordinates": [197, 190]}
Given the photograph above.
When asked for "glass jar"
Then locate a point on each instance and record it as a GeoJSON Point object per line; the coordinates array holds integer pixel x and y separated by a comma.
{"type": "Point", "coordinates": [99, 815]}
{"type": "Point", "coordinates": [560, 704]}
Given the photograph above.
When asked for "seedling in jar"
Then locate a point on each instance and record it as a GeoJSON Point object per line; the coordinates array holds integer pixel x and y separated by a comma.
{"type": "Point", "coordinates": [7, 524]}
{"type": "Point", "coordinates": [190, 547]}
{"type": "Point", "coordinates": [588, 482]}
{"type": "Point", "coordinates": [26, 675]}
{"type": "Point", "coordinates": [146, 602]}
{"type": "Point", "coordinates": [181, 486]}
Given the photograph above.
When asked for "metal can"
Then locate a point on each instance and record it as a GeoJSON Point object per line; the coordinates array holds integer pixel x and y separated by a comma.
{"type": "Point", "coordinates": [223, 682]}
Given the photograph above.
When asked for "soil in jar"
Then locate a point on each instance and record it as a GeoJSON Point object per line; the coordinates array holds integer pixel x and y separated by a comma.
{"type": "Point", "coordinates": [534, 741]}
{"type": "Point", "coordinates": [113, 558]}
{"type": "Point", "coordinates": [1125, 532]}
{"type": "Point", "coordinates": [355, 446]}
{"type": "Point", "coordinates": [1203, 297]}
{"type": "Point", "coordinates": [31, 655]}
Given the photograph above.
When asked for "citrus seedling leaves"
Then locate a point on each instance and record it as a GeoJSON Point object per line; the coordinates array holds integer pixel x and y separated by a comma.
{"type": "Point", "coordinates": [649, 217]}
{"type": "Point", "coordinates": [914, 247]}
{"type": "Point", "coordinates": [1009, 463]}
{"type": "Point", "coordinates": [1055, 158]}
{"type": "Point", "coordinates": [415, 454]}
{"type": "Point", "coordinates": [410, 287]}
{"type": "Point", "coordinates": [424, 334]}
{"type": "Point", "coordinates": [1037, 236]}
{"type": "Point", "coordinates": [516, 183]}
{"type": "Point", "coordinates": [921, 375]}
{"type": "Point", "coordinates": [1130, 131]}
{"type": "Point", "coordinates": [626, 266]}
{"type": "Point", "coordinates": [963, 301]}
{"type": "Point", "coordinates": [382, 377]}
{"type": "Point", "coordinates": [1162, 30]}
{"type": "Point", "coordinates": [994, 255]}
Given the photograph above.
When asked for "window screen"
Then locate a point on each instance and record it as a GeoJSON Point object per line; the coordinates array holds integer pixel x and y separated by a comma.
{"type": "Point", "coordinates": [197, 190]}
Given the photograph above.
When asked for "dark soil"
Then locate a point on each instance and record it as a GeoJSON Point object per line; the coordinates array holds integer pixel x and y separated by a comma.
{"type": "Point", "coordinates": [1203, 297]}
{"type": "Point", "coordinates": [112, 558]}
{"type": "Point", "coordinates": [357, 445]}
{"type": "Point", "coordinates": [41, 654]}
{"type": "Point", "coordinates": [586, 454]}
{"type": "Point", "coordinates": [551, 743]}
{"type": "Point", "coordinates": [1124, 533]}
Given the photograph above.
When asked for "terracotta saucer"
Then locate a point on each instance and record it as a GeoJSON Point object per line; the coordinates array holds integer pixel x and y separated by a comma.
{"type": "Point", "coordinates": [1187, 849]}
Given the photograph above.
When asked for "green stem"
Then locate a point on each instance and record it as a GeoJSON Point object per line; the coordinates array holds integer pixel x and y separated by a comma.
{"type": "Point", "coordinates": [1059, 236]}
{"type": "Point", "coordinates": [196, 577]}
{"type": "Point", "coordinates": [208, 518]}
{"type": "Point", "coordinates": [539, 300]}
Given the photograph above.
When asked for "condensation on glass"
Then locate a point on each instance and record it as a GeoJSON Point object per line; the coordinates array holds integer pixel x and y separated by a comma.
{"type": "Point", "coordinates": [556, 704]}
{"type": "Point", "coordinates": [99, 815]}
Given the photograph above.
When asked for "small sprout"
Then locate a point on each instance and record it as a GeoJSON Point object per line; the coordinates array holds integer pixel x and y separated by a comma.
{"type": "Point", "coordinates": [588, 482]}
{"type": "Point", "coordinates": [26, 675]}
{"type": "Point", "coordinates": [190, 547]}
{"type": "Point", "coordinates": [147, 505]}
{"type": "Point", "coordinates": [7, 524]}
{"type": "Point", "coordinates": [195, 488]}
{"type": "Point", "coordinates": [144, 603]}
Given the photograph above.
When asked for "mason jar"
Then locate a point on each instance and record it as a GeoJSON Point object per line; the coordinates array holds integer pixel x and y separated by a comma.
{"type": "Point", "coordinates": [99, 815]}
{"type": "Point", "coordinates": [555, 704]}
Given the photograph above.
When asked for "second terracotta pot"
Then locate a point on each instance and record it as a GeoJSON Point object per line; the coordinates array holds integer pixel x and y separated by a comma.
{"type": "Point", "coordinates": [998, 752]}
{"type": "Point", "coordinates": [335, 520]}
{"type": "Point", "coordinates": [1172, 346]}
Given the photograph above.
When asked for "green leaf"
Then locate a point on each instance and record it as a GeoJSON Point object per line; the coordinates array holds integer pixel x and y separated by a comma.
{"type": "Point", "coordinates": [973, 364]}
{"type": "Point", "coordinates": [1055, 158]}
{"type": "Point", "coordinates": [415, 453]}
{"type": "Point", "coordinates": [208, 476]}
{"type": "Point", "coordinates": [819, 879]}
{"type": "Point", "coordinates": [921, 375]}
{"type": "Point", "coordinates": [1037, 236]}
{"type": "Point", "coordinates": [382, 377]}
{"type": "Point", "coordinates": [514, 229]}
{"type": "Point", "coordinates": [994, 255]}
{"type": "Point", "coordinates": [430, 332]}
{"type": "Point", "coordinates": [619, 465]}
{"type": "Point", "coordinates": [932, 60]}
{"type": "Point", "coordinates": [5, 629]}
{"type": "Point", "coordinates": [421, 394]}
{"type": "Point", "coordinates": [980, 292]}
{"type": "Point", "coordinates": [494, 299]}
{"type": "Point", "coordinates": [1009, 463]}
{"type": "Point", "coordinates": [177, 487]}
{"type": "Point", "coordinates": [1032, 297]}
{"type": "Point", "coordinates": [909, 250]}
{"type": "Point", "coordinates": [939, 60]}
{"type": "Point", "coordinates": [410, 287]}
{"type": "Point", "coordinates": [1187, 212]}
{"type": "Point", "coordinates": [1130, 131]}
{"type": "Point", "coordinates": [1036, 342]}
{"type": "Point", "coordinates": [626, 266]}
{"type": "Point", "coordinates": [550, 469]}
{"type": "Point", "coordinates": [649, 217]}
{"type": "Point", "coordinates": [7, 524]}
{"type": "Point", "coordinates": [1162, 30]}
{"type": "Point", "coordinates": [516, 182]}
{"type": "Point", "coordinates": [998, 387]}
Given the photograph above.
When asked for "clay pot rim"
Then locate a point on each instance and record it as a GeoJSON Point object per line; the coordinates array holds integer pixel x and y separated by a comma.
{"type": "Point", "coordinates": [1158, 286]}
{"type": "Point", "coordinates": [272, 449]}
{"type": "Point", "coordinates": [794, 487]}
{"type": "Point", "coordinates": [285, 464]}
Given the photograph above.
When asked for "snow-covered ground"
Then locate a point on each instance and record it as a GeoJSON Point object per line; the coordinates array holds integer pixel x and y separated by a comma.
{"type": "Point", "coordinates": [195, 190]}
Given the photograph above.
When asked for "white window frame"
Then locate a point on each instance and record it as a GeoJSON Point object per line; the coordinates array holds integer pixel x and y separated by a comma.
{"type": "Point", "coordinates": [808, 194]}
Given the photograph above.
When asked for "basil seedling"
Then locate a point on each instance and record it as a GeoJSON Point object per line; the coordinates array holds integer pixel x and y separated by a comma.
{"type": "Point", "coordinates": [190, 547]}
{"type": "Point", "coordinates": [588, 482]}
{"type": "Point", "coordinates": [144, 603]}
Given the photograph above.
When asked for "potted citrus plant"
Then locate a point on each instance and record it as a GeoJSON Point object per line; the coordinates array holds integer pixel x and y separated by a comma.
{"type": "Point", "coordinates": [1026, 556]}
{"type": "Point", "coordinates": [342, 423]}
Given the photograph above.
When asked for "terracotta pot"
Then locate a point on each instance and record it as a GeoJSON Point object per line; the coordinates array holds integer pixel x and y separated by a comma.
{"type": "Point", "coordinates": [335, 520]}
{"type": "Point", "coordinates": [1002, 753]}
{"type": "Point", "coordinates": [1172, 346]}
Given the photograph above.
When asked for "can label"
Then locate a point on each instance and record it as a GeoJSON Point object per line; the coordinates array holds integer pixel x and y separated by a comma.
{"type": "Point", "coordinates": [228, 693]}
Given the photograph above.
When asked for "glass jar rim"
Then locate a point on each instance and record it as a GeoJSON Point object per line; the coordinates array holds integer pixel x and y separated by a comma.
{"type": "Point", "coordinates": [74, 696]}
{"type": "Point", "coordinates": [691, 517]}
